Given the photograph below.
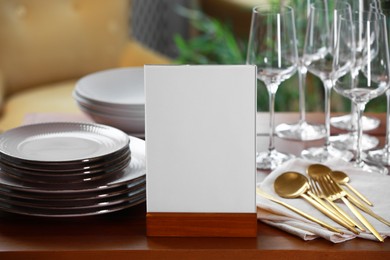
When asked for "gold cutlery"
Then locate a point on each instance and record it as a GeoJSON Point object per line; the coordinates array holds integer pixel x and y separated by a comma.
{"type": "Point", "coordinates": [303, 214]}
{"type": "Point", "coordinates": [294, 185]}
{"type": "Point", "coordinates": [343, 179]}
{"type": "Point", "coordinates": [362, 207]}
{"type": "Point", "coordinates": [320, 169]}
{"type": "Point", "coordinates": [339, 193]}
{"type": "Point", "coordinates": [317, 172]}
{"type": "Point", "coordinates": [317, 190]}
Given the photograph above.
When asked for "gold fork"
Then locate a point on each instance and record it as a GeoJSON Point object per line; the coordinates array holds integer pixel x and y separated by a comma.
{"type": "Point", "coordinates": [323, 193]}
{"type": "Point", "coordinates": [317, 170]}
{"type": "Point", "coordinates": [338, 193]}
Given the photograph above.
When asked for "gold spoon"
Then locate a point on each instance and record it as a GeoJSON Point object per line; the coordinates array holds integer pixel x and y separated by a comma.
{"type": "Point", "coordinates": [343, 179]}
{"type": "Point", "coordinates": [294, 185]}
{"type": "Point", "coordinates": [318, 169]}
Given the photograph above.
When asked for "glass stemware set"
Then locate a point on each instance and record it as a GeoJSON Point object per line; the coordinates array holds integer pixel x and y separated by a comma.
{"type": "Point", "coordinates": [346, 46]}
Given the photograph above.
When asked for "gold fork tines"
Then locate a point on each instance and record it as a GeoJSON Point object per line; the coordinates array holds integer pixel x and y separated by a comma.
{"type": "Point", "coordinates": [339, 193]}
{"type": "Point", "coordinates": [316, 189]}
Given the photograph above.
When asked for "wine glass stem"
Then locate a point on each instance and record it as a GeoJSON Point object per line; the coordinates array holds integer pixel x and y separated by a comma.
{"type": "Point", "coordinates": [387, 142]}
{"type": "Point", "coordinates": [271, 95]}
{"type": "Point", "coordinates": [302, 70]}
{"type": "Point", "coordinates": [359, 110]}
{"type": "Point", "coordinates": [328, 88]}
{"type": "Point", "coordinates": [353, 122]}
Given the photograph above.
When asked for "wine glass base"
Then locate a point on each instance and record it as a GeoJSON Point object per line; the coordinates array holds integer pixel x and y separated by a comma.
{"type": "Point", "coordinates": [271, 160]}
{"type": "Point", "coordinates": [301, 131]}
{"type": "Point", "coordinates": [326, 153]}
{"type": "Point", "coordinates": [349, 141]}
{"type": "Point", "coordinates": [344, 122]}
{"type": "Point", "coordinates": [369, 167]}
{"type": "Point", "coordinates": [381, 156]}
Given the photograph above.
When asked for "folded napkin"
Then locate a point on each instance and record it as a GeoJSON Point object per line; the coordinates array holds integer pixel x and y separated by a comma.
{"type": "Point", "coordinates": [374, 186]}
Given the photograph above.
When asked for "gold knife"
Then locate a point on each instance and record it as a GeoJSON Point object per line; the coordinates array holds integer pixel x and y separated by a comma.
{"type": "Point", "coordinates": [303, 214]}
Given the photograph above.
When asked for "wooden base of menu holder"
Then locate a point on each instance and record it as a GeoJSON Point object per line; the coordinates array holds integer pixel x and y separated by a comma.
{"type": "Point", "coordinates": [201, 224]}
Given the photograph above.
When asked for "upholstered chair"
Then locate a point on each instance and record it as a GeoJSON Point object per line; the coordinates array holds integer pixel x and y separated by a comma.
{"type": "Point", "coordinates": [47, 45]}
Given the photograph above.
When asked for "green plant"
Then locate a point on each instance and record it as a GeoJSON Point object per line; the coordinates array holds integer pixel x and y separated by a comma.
{"type": "Point", "coordinates": [214, 42]}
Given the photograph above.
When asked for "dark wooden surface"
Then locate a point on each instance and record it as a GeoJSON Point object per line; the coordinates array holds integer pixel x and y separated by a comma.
{"type": "Point", "coordinates": [201, 224]}
{"type": "Point", "coordinates": [122, 235]}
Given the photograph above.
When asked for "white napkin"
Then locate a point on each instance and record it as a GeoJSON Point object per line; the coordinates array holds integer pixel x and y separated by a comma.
{"type": "Point", "coordinates": [374, 186]}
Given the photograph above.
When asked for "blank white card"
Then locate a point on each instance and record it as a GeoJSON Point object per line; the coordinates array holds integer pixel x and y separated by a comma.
{"type": "Point", "coordinates": [200, 138]}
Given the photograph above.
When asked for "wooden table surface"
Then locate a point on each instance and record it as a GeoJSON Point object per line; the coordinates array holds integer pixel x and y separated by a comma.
{"type": "Point", "coordinates": [121, 235]}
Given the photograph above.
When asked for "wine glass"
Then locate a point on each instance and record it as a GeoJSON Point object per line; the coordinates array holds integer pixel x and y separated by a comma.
{"type": "Point", "coordinates": [301, 130]}
{"type": "Point", "coordinates": [348, 122]}
{"type": "Point", "coordinates": [382, 155]}
{"type": "Point", "coordinates": [374, 75]}
{"type": "Point", "coordinates": [272, 48]}
{"type": "Point", "coordinates": [318, 57]}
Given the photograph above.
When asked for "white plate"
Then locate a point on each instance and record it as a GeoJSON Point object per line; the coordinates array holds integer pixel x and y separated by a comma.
{"type": "Point", "coordinates": [75, 205]}
{"type": "Point", "coordinates": [114, 87]}
{"type": "Point", "coordinates": [133, 126]}
{"type": "Point", "coordinates": [135, 170]}
{"type": "Point", "coordinates": [75, 197]}
{"type": "Point", "coordinates": [61, 142]}
{"type": "Point", "coordinates": [128, 117]}
{"type": "Point", "coordinates": [134, 111]}
{"type": "Point", "coordinates": [70, 213]}
{"type": "Point", "coordinates": [65, 180]}
{"type": "Point", "coordinates": [44, 169]}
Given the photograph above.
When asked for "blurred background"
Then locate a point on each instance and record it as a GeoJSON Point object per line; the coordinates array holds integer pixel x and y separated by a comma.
{"type": "Point", "coordinates": [47, 45]}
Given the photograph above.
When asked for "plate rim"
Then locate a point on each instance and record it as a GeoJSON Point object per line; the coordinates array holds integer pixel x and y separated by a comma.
{"type": "Point", "coordinates": [4, 140]}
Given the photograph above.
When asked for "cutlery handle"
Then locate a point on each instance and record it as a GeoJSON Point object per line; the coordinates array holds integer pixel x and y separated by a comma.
{"type": "Point", "coordinates": [299, 212]}
{"type": "Point", "coordinates": [328, 213]}
{"type": "Point", "coordinates": [335, 210]}
{"type": "Point", "coordinates": [363, 198]}
{"type": "Point", "coordinates": [362, 219]}
{"type": "Point", "coordinates": [345, 215]}
{"type": "Point", "coordinates": [367, 210]}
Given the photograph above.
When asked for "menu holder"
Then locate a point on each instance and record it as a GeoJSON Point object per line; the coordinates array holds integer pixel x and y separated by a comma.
{"type": "Point", "coordinates": [201, 150]}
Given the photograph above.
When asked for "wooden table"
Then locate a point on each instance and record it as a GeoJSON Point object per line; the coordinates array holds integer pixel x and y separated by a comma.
{"type": "Point", "coordinates": [121, 235]}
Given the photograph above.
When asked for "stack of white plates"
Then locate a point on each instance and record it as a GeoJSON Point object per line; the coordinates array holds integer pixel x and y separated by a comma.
{"type": "Point", "coordinates": [114, 97]}
{"type": "Point", "coordinates": [70, 169]}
